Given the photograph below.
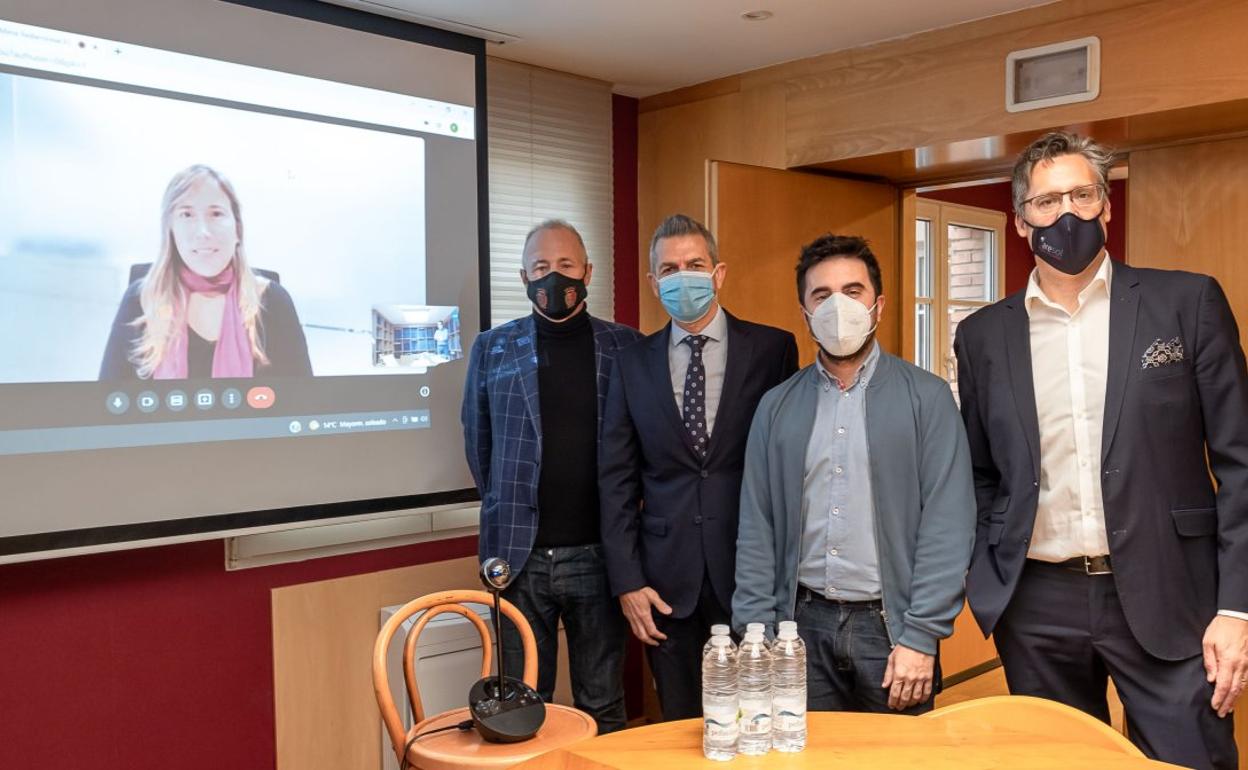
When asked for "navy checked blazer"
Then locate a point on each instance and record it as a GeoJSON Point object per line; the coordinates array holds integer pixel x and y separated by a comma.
{"type": "Point", "coordinates": [503, 428]}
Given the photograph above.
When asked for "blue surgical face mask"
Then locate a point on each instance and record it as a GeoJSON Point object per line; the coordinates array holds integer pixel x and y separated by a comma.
{"type": "Point", "coordinates": [687, 295]}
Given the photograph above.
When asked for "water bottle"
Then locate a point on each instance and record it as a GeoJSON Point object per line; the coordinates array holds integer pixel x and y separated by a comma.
{"type": "Point", "coordinates": [788, 698]}
{"type": "Point", "coordinates": [719, 629]}
{"type": "Point", "coordinates": [754, 689]}
{"type": "Point", "coordinates": [719, 700]}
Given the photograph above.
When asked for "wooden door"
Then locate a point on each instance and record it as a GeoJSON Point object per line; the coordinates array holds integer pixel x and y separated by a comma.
{"type": "Point", "coordinates": [762, 217]}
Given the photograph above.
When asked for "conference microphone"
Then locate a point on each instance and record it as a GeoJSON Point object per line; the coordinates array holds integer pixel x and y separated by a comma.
{"type": "Point", "coordinates": [504, 709]}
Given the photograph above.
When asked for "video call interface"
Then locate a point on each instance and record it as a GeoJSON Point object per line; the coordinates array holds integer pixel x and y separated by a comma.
{"type": "Point", "coordinates": [193, 250]}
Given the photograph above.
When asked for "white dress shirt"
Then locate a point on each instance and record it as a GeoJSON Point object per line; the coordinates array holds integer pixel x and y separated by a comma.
{"type": "Point", "coordinates": [714, 360]}
{"type": "Point", "coordinates": [1069, 360]}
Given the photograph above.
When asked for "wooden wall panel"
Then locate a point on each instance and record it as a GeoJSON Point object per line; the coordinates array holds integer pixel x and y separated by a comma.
{"type": "Point", "coordinates": [895, 96]}
{"type": "Point", "coordinates": [762, 217]}
{"type": "Point", "coordinates": [1189, 211]}
{"type": "Point", "coordinates": [323, 636]}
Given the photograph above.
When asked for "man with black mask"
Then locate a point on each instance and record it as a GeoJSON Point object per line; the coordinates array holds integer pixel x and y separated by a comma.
{"type": "Point", "coordinates": [857, 511]}
{"type": "Point", "coordinates": [532, 420]}
{"type": "Point", "coordinates": [1097, 403]}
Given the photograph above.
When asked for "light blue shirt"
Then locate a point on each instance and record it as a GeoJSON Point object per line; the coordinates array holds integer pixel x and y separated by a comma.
{"type": "Point", "coordinates": [838, 554]}
{"type": "Point", "coordinates": [714, 361]}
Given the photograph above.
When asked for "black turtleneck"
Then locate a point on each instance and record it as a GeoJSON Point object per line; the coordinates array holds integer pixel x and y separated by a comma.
{"type": "Point", "coordinates": [567, 491]}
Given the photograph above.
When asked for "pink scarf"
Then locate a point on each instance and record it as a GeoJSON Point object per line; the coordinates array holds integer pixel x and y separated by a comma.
{"type": "Point", "coordinates": [232, 357]}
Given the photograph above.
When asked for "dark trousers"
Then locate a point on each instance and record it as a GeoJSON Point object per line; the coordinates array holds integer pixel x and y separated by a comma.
{"type": "Point", "coordinates": [847, 649]}
{"type": "Point", "coordinates": [1064, 633]}
{"type": "Point", "coordinates": [571, 584]}
{"type": "Point", "coordinates": [676, 662]}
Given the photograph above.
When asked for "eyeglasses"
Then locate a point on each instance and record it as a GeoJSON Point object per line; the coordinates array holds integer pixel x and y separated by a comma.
{"type": "Point", "coordinates": [1043, 210]}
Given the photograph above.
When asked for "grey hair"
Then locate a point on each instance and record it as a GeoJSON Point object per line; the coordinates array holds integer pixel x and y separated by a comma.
{"type": "Point", "coordinates": [554, 224]}
{"type": "Point", "coordinates": [1053, 145]}
{"type": "Point", "coordinates": [674, 227]}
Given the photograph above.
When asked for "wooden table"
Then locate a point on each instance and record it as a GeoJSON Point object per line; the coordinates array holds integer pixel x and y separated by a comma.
{"type": "Point", "coordinates": [877, 741]}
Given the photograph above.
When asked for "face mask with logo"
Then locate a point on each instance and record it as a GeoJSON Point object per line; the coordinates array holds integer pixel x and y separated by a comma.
{"type": "Point", "coordinates": [555, 295]}
{"type": "Point", "coordinates": [687, 295]}
{"type": "Point", "coordinates": [841, 325]}
{"type": "Point", "coordinates": [1069, 244]}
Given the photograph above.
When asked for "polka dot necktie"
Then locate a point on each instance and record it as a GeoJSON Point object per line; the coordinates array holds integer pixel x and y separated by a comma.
{"type": "Point", "coordinates": [694, 412]}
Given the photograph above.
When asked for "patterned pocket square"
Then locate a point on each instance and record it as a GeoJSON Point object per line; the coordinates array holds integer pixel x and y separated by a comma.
{"type": "Point", "coordinates": [1161, 353]}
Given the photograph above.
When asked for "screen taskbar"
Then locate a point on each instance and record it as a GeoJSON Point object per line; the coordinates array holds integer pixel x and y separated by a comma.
{"type": "Point", "coordinates": [89, 437]}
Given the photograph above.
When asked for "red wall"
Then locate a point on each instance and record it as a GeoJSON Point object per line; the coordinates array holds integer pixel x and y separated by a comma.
{"type": "Point", "coordinates": [1018, 258]}
{"type": "Point", "coordinates": [624, 161]}
{"type": "Point", "coordinates": [159, 658]}
{"type": "Point", "coordinates": [153, 658]}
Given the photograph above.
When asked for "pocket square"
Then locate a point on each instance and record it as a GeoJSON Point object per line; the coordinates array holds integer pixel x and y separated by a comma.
{"type": "Point", "coordinates": [1161, 353]}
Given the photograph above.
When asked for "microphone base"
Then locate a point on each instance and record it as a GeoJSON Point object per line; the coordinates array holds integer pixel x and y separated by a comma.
{"type": "Point", "coordinates": [509, 717]}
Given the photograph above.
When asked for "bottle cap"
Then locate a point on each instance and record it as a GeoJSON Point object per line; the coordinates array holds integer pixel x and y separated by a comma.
{"type": "Point", "coordinates": [754, 635]}
{"type": "Point", "coordinates": [720, 641]}
{"type": "Point", "coordinates": [788, 630]}
{"type": "Point", "coordinates": [754, 627]}
{"type": "Point", "coordinates": [719, 629]}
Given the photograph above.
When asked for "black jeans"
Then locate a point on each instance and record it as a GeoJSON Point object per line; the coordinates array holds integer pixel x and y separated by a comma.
{"type": "Point", "coordinates": [571, 584]}
{"type": "Point", "coordinates": [847, 649]}
{"type": "Point", "coordinates": [1064, 633]}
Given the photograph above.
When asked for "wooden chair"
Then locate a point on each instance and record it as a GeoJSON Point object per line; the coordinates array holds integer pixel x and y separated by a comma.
{"type": "Point", "coordinates": [458, 748]}
{"type": "Point", "coordinates": [1035, 716]}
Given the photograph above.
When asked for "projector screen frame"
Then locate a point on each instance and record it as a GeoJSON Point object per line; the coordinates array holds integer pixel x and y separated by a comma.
{"type": "Point", "coordinates": [47, 545]}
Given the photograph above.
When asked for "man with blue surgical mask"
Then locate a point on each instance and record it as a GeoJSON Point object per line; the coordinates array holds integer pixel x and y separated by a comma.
{"type": "Point", "coordinates": [677, 416]}
{"type": "Point", "coordinates": [857, 508]}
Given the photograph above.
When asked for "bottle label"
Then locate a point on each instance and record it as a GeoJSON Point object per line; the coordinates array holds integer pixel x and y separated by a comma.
{"type": "Point", "coordinates": [789, 712]}
{"type": "Point", "coordinates": [719, 721]}
{"type": "Point", "coordinates": [756, 715]}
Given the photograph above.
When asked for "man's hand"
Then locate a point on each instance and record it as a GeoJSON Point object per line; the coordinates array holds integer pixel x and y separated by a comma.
{"type": "Point", "coordinates": [1226, 661]}
{"type": "Point", "coordinates": [908, 677]}
{"type": "Point", "coordinates": [636, 606]}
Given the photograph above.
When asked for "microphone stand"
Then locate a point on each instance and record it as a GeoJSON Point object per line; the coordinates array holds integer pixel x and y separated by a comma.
{"type": "Point", "coordinates": [503, 711]}
{"type": "Point", "coordinates": [501, 694]}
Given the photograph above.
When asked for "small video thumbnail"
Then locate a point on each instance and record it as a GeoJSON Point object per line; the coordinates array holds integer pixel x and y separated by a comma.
{"type": "Point", "coordinates": [415, 337]}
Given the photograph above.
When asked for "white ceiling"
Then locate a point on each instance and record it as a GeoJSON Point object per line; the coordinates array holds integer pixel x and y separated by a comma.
{"type": "Point", "coordinates": [646, 47]}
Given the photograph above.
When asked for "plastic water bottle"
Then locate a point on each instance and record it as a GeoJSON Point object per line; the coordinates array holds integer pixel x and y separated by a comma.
{"type": "Point", "coordinates": [719, 629]}
{"type": "Point", "coordinates": [719, 700]}
{"type": "Point", "coordinates": [788, 698]}
{"type": "Point", "coordinates": [754, 688]}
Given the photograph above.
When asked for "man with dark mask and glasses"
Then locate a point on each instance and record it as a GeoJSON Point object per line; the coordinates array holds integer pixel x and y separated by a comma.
{"type": "Point", "coordinates": [1097, 402]}
{"type": "Point", "coordinates": [532, 411]}
{"type": "Point", "coordinates": [857, 510]}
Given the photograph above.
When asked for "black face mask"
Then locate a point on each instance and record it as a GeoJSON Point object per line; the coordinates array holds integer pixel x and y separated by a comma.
{"type": "Point", "coordinates": [555, 295]}
{"type": "Point", "coordinates": [1069, 244]}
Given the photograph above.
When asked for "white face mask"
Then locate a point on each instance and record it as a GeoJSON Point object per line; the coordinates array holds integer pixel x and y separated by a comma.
{"type": "Point", "coordinates": [841, 325]}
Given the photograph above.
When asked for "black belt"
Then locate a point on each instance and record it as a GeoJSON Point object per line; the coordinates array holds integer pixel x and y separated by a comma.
{"type": "Point", "coordinates": [804, 593]}
{"type": "Point", "coordinates": [1087, 565]}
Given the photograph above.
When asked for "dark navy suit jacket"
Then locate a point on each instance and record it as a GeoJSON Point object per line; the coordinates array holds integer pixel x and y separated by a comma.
{"type": "Point", "coordinates": [502, 422]}
{"type": "Point", "coordinates": [1179, 543]}
{"type": "Point", "coordinates": [668, 517]}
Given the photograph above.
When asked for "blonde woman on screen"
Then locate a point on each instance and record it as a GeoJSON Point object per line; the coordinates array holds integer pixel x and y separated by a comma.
{"type": "Point", "coordinates": [200, 310]}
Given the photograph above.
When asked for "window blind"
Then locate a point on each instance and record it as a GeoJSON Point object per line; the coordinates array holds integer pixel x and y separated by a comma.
{"type": "Point", "coordinates": [549, 158]}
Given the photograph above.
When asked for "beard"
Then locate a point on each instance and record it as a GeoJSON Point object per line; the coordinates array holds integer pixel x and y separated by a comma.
{"type": "Point", "coordinates": [843, 359]}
